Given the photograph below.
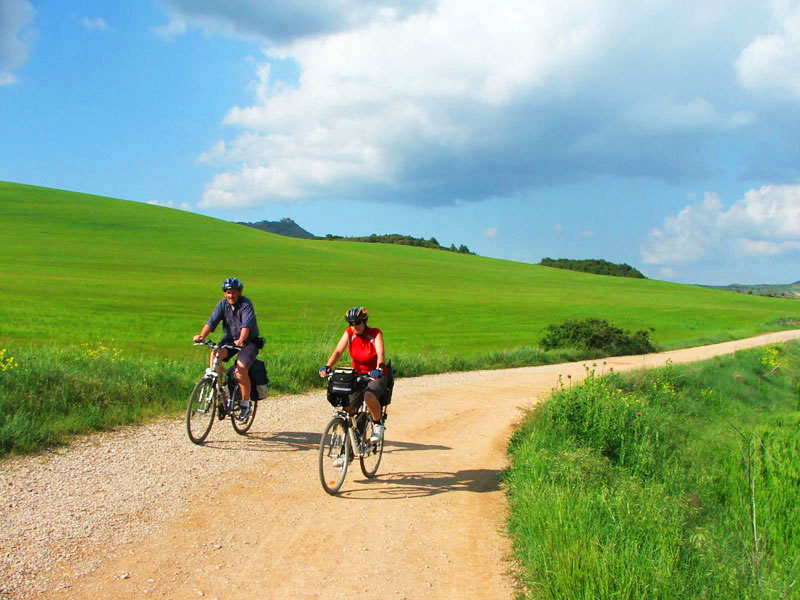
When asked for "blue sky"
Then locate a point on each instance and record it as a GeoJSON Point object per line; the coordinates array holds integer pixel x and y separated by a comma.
{"type": "Point", "coordinates": [663, 133]}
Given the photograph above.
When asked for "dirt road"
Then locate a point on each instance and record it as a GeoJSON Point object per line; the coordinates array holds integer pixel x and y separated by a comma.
{"type": "Point", "coordinates": [144, 513]}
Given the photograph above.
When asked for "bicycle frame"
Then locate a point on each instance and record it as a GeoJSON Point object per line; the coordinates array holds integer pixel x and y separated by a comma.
{"type": "Point", "coordinates": [217, 396]}
{"type": "Point", "coordinates": [357, 444]}
{"type": "Point", "coordinates": [212, 374]}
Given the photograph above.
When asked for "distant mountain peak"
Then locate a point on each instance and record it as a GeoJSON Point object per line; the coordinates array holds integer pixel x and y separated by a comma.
{"type": "Point", "coordinates": [285, 226]}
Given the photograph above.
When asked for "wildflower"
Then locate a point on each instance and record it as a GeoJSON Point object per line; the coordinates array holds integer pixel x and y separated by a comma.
{"type": "Point", "coordinates": [7, 364]}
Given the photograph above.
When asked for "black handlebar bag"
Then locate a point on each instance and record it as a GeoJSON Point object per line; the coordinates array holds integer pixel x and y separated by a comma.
{"type": "Point", "coordinates": [341, 385]}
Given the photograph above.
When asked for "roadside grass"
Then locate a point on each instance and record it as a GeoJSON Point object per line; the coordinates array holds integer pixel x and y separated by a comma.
{"type": "Point", "coordinates": [673, 483]}
{"type": "Point", "coordinates": [51, 392]}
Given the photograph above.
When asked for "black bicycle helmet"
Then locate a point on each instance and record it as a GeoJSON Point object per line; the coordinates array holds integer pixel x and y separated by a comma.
{"type": "Point", "coordinates": [232, 283]}
{"type": "Point", "coordinates": [357, 314]}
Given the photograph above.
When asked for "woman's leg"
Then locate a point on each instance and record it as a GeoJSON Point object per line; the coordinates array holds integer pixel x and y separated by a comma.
{"type": "Point", "coordinates": [373, 406]}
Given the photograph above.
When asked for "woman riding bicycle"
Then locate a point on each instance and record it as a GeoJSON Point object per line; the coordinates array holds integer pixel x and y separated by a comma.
{"type": "Point", "coordinates": [368, 356]}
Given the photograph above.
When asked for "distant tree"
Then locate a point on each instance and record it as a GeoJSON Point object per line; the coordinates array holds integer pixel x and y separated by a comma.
{"type": "Point", "coordinates": [405, 240]}
{"type": "Point", "coordinates": [596, 266]}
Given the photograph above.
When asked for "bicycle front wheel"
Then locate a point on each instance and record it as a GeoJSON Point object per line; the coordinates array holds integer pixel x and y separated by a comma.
{"type": "Point", "coordinates": [371, 459]}
{"type": "Point", "coordinates": [200, 411]}
{"type": "Point", "coordinates": [241, 427]}
{"type": "Point", "coordinates": [334, 455]}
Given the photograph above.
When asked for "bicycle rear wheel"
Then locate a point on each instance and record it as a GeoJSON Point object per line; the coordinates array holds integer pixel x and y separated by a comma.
{"type": "Point", "coordinates": [200, 411]}
{"type": "Point", "coordinates": [334, 455]}
{"type": "Point", "coordinates": [241, 427]}
{"type": "Point", "coordinates": [371, 459]}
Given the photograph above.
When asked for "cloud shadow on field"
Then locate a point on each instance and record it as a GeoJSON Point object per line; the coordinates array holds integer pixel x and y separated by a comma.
{"type": "Point", "coordinates": [416, 484]}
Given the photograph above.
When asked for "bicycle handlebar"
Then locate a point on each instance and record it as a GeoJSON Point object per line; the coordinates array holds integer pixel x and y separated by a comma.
{"type": "Point", "coordinates": [217, 346]}
{"type": "Point", "coordinates": [359, 376]}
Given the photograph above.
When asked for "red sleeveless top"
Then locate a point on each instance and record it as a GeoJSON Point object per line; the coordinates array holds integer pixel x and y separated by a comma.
{"type": "Point", "coordinates": [362, 349]}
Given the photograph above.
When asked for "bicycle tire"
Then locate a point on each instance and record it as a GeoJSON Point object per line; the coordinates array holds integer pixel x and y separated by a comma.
{"type": "Point", "coordinates": [201, 410]}
{"type": "Point", "coordinates": [238, 427]}
{"type": "Point", "coordinates": [371, 459]}
{"type": "Point", "coordinates": [333, 445]}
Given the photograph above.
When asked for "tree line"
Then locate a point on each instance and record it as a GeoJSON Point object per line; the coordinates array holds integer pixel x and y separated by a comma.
{"type": "Point", "coordinates": [403, 240]}
{"type": "Point", "coordinates": [593, 265]}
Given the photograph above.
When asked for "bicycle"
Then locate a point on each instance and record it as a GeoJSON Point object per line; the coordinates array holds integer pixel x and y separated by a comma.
{"type": "Point", "coordinates": [217, 394]}
{"type": "Point", "coordinates": [347, 435]}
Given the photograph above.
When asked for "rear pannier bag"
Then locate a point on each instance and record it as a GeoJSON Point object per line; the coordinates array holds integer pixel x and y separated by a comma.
{"type": "Point", "coordinates": [340, 385]}
{"type": "Point", "coordinates": [386, 399]}
{"type": "Point", "coordinates": [258, 380]}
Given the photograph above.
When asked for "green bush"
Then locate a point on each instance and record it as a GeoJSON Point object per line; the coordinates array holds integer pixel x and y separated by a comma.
{"type": "Point", "coordinates": [597, 334]}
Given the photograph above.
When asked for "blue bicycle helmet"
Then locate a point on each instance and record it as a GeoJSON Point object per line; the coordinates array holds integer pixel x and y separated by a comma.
{"type": "Point", "coordinates": [232, 283]}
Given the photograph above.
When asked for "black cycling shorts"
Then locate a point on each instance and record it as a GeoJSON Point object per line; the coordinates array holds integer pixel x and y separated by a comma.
{"type": "Point", "coordinates": [376, 386]}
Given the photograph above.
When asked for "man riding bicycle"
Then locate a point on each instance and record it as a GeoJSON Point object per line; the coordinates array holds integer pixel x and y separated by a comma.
{"type": "Point", "coordinates": [368, 356]}
{"type": "Point", "coordinates": [241, 329]}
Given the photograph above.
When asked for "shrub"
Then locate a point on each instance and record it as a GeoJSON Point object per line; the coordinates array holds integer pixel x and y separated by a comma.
{"type": "Point", "coordinates": [597, 334]}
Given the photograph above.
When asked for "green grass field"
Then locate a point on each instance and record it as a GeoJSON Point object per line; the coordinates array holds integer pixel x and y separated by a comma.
{"type": "Point", "coordinates": [83, 268]}
{"type": "Point", "coordinates": [128, 285]}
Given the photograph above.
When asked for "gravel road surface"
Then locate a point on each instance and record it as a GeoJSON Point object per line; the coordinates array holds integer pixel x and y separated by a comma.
{"type": "Point", "coordinates": [142, 512]}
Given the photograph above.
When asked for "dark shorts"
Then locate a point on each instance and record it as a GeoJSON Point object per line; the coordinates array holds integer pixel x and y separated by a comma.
{"type": "Point", "coordinates": [376, 386]}
{"type": "Point", "coordinates": [246, 356]}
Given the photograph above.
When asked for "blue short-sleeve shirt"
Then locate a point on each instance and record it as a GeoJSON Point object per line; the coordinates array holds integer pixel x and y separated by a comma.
{"type": "Point", "coordinates": [234, 317]}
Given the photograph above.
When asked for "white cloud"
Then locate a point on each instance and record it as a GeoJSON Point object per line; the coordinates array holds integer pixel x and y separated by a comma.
{"type": "Point", "coordinates": [216, 152]}
{"type": "Point", "coordinates": [668, 273]}
{"type": "Point", "coordinates": [442, 101]}
{"type": "Point", "coordinates": [282, 21]}
{"type": "Point", "coordinates": [667, 115]}
{"type": "Point", "coordinates": [14, 17]}
{"type": "Point", "coordinates": [171, 204]}
{"type": "Point", "coordinates": [765, 222]}
{"type": "Point", "coordinates": [175, 27]}
{"type": "Point", "coordinates": [490, 233]}
{"type": "Point", "coordinates": [371, 103]}
{"type": "Point", "coordinates": [96, 23]}
{"type": "Point", "coordinates": [771, 62]}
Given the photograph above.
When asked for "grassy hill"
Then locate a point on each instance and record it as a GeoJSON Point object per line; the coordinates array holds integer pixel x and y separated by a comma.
{"type": "Point", "coordinates": [103, 296]}
{"type": "Point", "coordinates": [83, 268]}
